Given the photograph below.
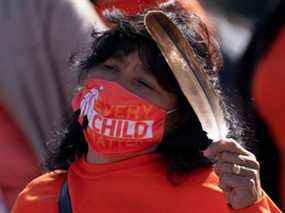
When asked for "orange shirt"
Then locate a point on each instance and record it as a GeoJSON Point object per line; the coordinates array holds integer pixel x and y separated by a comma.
{"type": "Point", "coordinates": [135, 185]}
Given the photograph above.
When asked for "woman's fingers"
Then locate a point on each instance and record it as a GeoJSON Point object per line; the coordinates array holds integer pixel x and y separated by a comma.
{"type": "Point", "coordinates": [238, 172]}
{"type": "Point", "coordinates": [235, 181]}
{"type": "Point", "coordinates": [242, 160]}
{"type": "Point", "coordinates": [228, 168]}
{"type": "Point", "coordinates": [227, 145]}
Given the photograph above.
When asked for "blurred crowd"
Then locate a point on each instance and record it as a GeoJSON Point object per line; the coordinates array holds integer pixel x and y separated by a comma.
{"type": "Point", "coordinates": [38, 38]}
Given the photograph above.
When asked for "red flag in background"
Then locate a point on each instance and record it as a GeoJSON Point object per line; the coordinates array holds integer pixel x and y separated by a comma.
{"type": "Point", "coordinates": [18, 163]}
{"type": "Point", "coordinates": [135, 7]}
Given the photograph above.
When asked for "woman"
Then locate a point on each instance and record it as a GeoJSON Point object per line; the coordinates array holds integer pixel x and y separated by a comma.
{"type": "Point", "coordinates": [135, 144]}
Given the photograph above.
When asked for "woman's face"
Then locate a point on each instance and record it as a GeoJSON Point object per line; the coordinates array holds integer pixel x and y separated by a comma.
{"type": "Point", "coordinates": [129, 72]}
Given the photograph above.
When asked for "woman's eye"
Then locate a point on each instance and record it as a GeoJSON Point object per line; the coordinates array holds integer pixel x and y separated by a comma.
{"type": "Point", "coordinates": [145, 84]}
{"type": "Point", "coordinates": [110, 67]}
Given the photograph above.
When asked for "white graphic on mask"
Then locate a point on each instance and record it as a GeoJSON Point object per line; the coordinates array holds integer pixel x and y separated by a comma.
{"type": "Point", "coordinates": [112, 127]}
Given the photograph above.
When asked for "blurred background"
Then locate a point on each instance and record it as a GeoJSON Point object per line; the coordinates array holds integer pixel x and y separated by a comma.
{"type": "Point", "coordinates": [38, 37]}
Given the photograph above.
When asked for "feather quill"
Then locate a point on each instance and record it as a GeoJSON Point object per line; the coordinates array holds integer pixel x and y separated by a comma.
{"type": "Point", "coordinates": [194, 82]}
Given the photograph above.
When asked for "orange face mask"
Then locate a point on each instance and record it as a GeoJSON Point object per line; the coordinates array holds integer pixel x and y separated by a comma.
{"type": "Point", "coordinates": [118, 120]}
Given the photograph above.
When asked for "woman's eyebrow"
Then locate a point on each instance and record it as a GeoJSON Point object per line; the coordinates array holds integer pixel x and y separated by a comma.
{"type": "Point", "coordinates": [118, 55]}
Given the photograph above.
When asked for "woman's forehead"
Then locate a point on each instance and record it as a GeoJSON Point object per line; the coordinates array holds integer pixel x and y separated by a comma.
{"type": "Point", "coordinates": [121, 53]}
{"type": "Point", "coordinates": [123, 60]}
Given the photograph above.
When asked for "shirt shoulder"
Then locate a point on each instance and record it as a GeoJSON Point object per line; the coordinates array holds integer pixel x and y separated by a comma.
{"type": "Point", "coordinates": [41, 194]}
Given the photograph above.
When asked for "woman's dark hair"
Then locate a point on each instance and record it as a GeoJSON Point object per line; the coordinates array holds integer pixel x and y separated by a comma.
{"type": "Point", "coordinates": [182, 148]}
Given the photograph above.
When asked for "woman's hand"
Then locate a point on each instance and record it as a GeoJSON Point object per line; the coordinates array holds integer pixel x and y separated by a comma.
{"type": "Point", "coordinates": [238, 171]}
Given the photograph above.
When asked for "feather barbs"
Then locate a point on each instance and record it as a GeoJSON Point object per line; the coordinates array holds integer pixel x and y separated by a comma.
{"type": "Point", "coordinates": [193, 78]}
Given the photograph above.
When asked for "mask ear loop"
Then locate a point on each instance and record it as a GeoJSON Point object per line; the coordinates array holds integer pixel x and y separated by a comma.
{"type": "Point", "coordinates": [171, 111]}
